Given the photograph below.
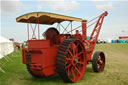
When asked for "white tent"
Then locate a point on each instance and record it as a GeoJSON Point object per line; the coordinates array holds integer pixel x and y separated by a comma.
{"type": "Point", "coordinates": [6, 47]}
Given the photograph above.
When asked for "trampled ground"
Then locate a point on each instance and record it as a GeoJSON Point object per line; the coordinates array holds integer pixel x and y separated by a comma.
{"type": "Point", "coordinates": [116, 70]}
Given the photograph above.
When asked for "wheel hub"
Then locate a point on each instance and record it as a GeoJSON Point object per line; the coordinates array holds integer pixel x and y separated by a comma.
{"type": "Point", "coordinates": [75, 60]}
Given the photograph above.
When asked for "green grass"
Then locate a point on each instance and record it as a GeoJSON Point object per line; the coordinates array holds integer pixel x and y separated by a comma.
{"type": "Point", "coordinates": [115, 73]}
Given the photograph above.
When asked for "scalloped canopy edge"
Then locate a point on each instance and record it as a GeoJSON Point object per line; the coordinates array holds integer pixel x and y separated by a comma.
{"type": "Point", "coordinates": [45, 18]}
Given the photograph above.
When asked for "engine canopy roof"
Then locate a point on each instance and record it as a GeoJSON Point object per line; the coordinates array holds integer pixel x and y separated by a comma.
{"type": "Point", "coordinates": [45, 18]}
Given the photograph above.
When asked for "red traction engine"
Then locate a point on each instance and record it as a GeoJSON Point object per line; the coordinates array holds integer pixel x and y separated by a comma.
{"type": "Point", "coordinates": [64, 53]}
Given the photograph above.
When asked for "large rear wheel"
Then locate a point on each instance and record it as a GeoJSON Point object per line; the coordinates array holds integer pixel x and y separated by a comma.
{"type": "Point", "coordinates": [71, 60]}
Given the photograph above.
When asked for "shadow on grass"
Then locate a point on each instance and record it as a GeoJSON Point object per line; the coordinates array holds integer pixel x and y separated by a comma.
{"type": "Point", "coordinates": [89, 69]}
{"type": "Point", "coordinates": [57, 79]}
{"type": "Point", "coordinates": [53, 78]}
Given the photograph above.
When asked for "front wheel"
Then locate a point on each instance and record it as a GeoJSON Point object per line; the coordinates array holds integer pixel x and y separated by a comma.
{"type": "Point", "coordinates": [98, 61]}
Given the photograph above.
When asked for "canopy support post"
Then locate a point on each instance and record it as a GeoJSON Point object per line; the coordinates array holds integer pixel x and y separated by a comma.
{"type": "Point", "coordinates": [28, 29]}
{"type": "Point", "coordinates": [38, 28]}
{"type": "Point", "coordinates": [71, 27]}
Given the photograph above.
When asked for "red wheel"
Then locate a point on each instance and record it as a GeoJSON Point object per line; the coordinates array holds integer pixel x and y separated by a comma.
{"type": "Point", "coordinates": [98, 61]}
{"type": "Point", "coordinates": [71, 60]}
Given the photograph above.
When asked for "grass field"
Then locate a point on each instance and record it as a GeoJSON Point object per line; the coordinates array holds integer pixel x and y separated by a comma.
{"type": "Point", "coordinates": [115, 73]}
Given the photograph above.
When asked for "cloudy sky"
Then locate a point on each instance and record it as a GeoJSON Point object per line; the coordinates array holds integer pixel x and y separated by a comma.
{"type": "Point", "coordinates": [115, 24]}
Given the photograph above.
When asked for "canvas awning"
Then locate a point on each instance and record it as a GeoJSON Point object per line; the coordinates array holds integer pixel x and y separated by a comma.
{"type": "Point", "coordinates": [45, 18]}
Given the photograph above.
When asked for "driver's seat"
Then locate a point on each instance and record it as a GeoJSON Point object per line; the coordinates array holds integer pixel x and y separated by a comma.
{"type": "Point", "coordinates": [52, 34]}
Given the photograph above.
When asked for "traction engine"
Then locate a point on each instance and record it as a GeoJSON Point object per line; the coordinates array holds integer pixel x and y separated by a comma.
{"type": "Point", "coordinates": [64, 53]}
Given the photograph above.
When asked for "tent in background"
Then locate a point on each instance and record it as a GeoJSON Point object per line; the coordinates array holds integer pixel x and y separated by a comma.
{"type": "Point", "coordinates": [6, 47]}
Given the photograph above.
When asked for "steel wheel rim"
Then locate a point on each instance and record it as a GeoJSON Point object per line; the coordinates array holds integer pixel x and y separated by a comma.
{"type": "Point", "coordinates": [75, 61]}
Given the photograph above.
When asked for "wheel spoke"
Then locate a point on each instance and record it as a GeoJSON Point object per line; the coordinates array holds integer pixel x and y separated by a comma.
{"type": "Point", "coordinates": [69, 71]}
{"type": "Point", "coordinates": [100, 62]}
{"type": "Point", "coordinates": [98, 65]}
{"type": "Point", "coordinates": [78, 70]}
{"type": "Point", "coordinates": [74, 77]}
{"type": "Point", "coordinates": [70, 52]}
{"type": "Point", "coordinates": [77, 65]}
{"type": "Point", "coordinates": [76, 52]}
{"type": "Point", "coordinates": [69, 59]}
{"type": "Point", "coordinates": [77, 45]}
{"type": "Point", "coordinates": [80, 53]}
{"type": "Point", "coordinates": [99, 58]}
{"type": "Point", "coordinates": [68, 66]}
{"type": "Point", "coordinates": [79, 62]}
{"type": "Point", "coordinates": [79, 58]}
{"type": "Point", "coordinates": [74, 49]}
